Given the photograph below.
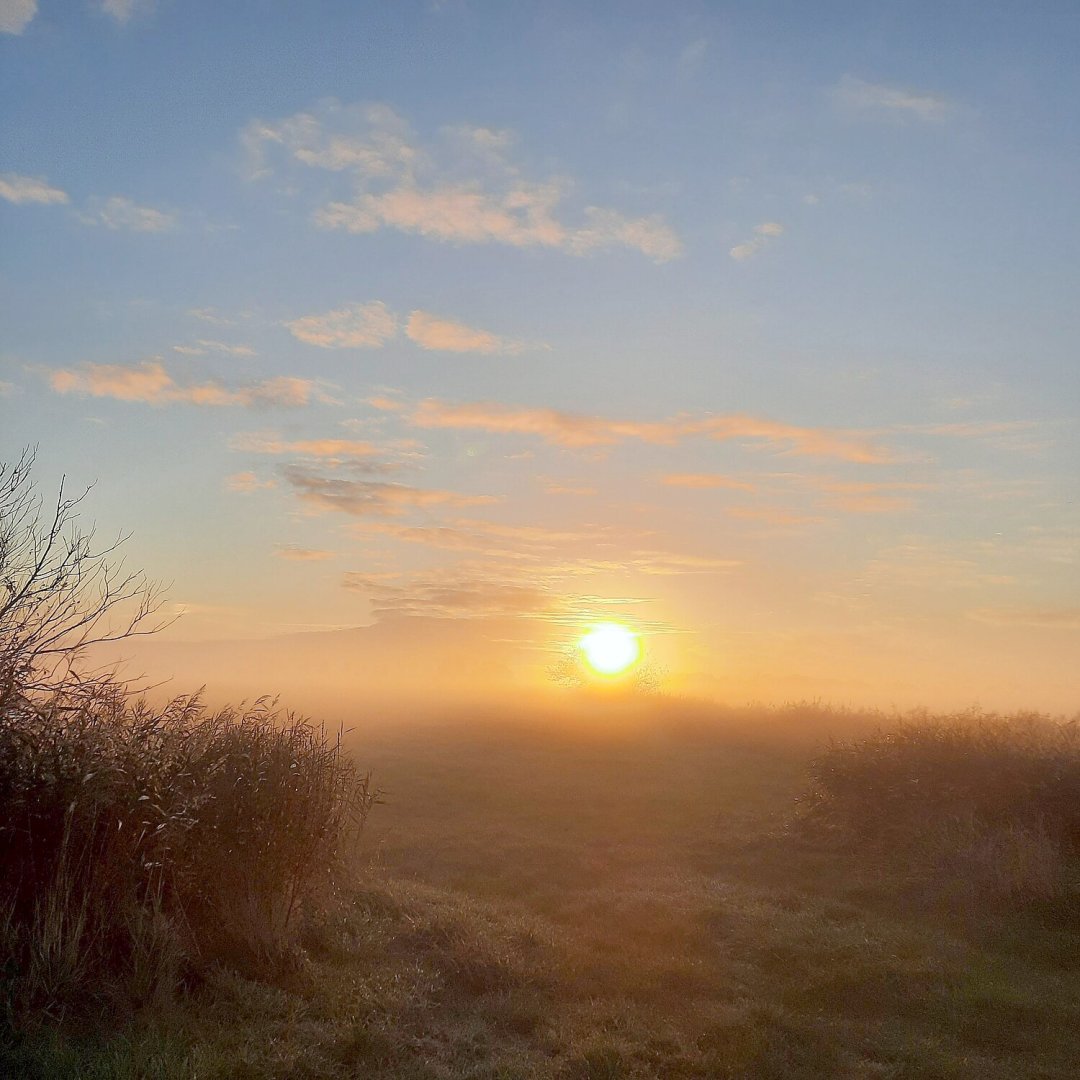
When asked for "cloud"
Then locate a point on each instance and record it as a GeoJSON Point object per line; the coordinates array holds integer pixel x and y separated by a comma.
{"type": "Point", "coordinates": [868, 497]}
{"type": "Point", "coordinates": [764, 234]}
{"type": "Point", "coordinates": [691, 57]}
{"type": "Point", "coordinates": [431, 332]}
{"type": "Point", "coordinates": [210, 315]}
{"type": "Point", "coordinates": [363, 498]}
{"type": "Point", "coordinates": [860, 497]}
{"type": "Point", "coordinates": [123, 10]}
{"type": "Point", "coordinates": [1042, 618]}
{"type": "Point", "coordinates": [554, 554]}
{"type": "Point", "coordinates": [203, 346]}
{"type": "Point", "coordinates": [360, 326]}
{"type": "Point", "coordinates": [577, 430]}
{"type": "Point", "coordinates": [554, 487]}
{"type": "Point", "coordinates": [151, 384]}
{"type": "Point", "coordinates": [384, 403]}
{"type": "Point", "coordinates": [29, 189]}
{"type": "Point", "coordinates": [771, 515]}
{"type": "Point", "coordinates": [878, 98]}
{"type": "Point", "coordinates": [705, 480]}
{"type": "Point", "coordinates": [16, 15]}
{"type": "Point", "coordinates": [299, 554]}
{"type": "Point", "coordinates": [333, 449]}
{"type": "Point", "coordinates": [921, 565]}
{"type": "Point", "coordinates": [666, 563]}
{"type": "Point", "coordinates": [477, 589]}
{"type": "Point", "coordinates": [792, 439]}
{"type": "Point", "coordinates": [121, 213]}
{"type": "Point", "coordinates": [462, 187]}
{"type": "Point", "coordinates": [560, 428]}
{"type": "Point", "coordinates": [518, 542]}
{"type": "Point", "coordinates": [372, 325]}
{"type": "Point", "coordinates": [451, 593]}
{"type": "Point", "coordinates": [246, 482]}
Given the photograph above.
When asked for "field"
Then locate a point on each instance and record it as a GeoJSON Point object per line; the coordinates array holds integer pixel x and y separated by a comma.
{"type": "Point", "coordinates": [620, 892]}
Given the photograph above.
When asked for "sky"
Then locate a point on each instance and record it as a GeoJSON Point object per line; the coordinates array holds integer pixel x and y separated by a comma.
{"type": "Point", "coordinates": [440, 331]}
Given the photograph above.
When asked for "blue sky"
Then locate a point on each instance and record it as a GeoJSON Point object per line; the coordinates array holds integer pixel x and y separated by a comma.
{"type": "Point", "coordinates": [753, 325]}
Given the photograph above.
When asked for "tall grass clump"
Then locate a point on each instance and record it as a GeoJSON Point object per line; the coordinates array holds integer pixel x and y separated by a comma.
{"type": "Point", "coordinates": [992, 800]}
{"type": "Point", "coordinates": [137, 842]}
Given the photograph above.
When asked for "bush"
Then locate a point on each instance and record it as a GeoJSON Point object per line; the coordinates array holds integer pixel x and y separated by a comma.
{"type": "Point", "coordinates": [135, 839]}
{"type": "Point", "coordinates": [994, 799]}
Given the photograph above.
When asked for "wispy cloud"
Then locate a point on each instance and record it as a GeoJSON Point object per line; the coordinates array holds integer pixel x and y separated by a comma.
{"type": "Point", "coordinates": [121, 213]}
{"type": "Point", "coordinates": [372, 325]}
{"type": "Point", "coordinates": [123, 10]}
{"type": "Point", "coordinates": [453, 593]}
{"type": "Point", "coordinates": [558, 553]}
{"type": "Point", "coordinates": [150, 383]}
{"type": "Point", "coordinates": [247, 482]}
{"type": "Point", "coordinates": [203, 346]}
{"type": "Point", "coordinates": [705, 480]}
{"type": "Point", "coordinates": [764, 234]}
{"type": "Point", "coordinates": [560, 487]}
{"type": "Point", "coordinates": [292, 553]}
{"type": "Point", "coordinates": [359, 326]}
{"type": "Point", "coordinates": [16, 15]}
{"type": "Point", "coordinates": [211, 315]}
{"type": "Point", "coordinates": [577, 430]}
{"type": "Point", "coordinates": [1019, 436]}
{"type": "Point", "coordinates": [560, 428]}
{"type": "Point", "coordinates": [691, 58]}
{"type": "Point", "coordinates": [771, 515]}
{"type": "Point", "coordinates": [331, 449]}
{"type": "Point", "coordinates": [494, 540]}
{"type": "Point", "coordinates": [445, 335]}
{"type": "Point", "coordinates": [364, 498]}
{"type": "Point", "coordinates": [463, 187]}
{"type": "Point", "coordinates": [19, 189]}
{"type": "Point", "coordinates": [868, 497]}
{"type": "Point", "coordinates": [1041, 618]}
{"type": "Point", "coordinates": [884, 100]}
{"type": "Point", "coordinates": [925, 565]}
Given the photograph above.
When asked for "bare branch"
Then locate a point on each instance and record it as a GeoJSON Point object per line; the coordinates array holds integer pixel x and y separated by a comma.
{"type": "Point", "coordinates": [60, 594]}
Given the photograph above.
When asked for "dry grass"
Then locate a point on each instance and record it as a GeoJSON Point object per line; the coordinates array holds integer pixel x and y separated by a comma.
{"type": "Point", "coordinates": [138, 842]}
{"type": "Point", "coordinates": [988, 805]}
{"type": "Point", "coordinates": [583, 902]}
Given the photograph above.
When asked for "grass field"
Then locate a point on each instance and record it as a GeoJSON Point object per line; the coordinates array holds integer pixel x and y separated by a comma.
{"type": "Point", "coordinates": [615, 894]}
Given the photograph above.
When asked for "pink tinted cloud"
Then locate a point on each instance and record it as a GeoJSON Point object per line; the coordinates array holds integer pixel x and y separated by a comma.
{"type": "Point", "coordinates": [150, 384]}
{"type": "Point", "coordinates": [577, 430]}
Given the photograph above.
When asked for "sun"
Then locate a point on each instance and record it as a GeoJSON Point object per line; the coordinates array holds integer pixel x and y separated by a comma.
{"type": "Point", "coordinates": [610, 648]}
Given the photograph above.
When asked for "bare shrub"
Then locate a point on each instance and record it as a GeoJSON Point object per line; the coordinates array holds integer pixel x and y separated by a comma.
{"type": "Point", "coordinates": [60, 591]}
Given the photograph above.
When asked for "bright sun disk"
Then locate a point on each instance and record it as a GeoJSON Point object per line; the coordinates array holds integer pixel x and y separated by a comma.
{"type": "Point", "coordinates": [610, 648]}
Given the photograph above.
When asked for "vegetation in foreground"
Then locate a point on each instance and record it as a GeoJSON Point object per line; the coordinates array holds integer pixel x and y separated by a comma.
{"type": "Point", "coordinates": [140, 845]}
{"type": "Point", "coordinates": [573, 903]}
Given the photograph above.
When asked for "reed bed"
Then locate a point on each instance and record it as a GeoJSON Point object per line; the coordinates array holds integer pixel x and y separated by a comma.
{"type": "Point", "coordinates": [140, 844]}
{"type": "Point", "coordinates": [990, 803]}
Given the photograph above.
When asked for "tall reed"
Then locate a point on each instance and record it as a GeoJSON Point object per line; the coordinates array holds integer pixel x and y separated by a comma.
{"type": "Point", "coordinates": [134, 839]}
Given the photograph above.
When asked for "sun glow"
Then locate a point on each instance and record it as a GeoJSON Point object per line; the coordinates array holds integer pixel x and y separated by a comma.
{"type": "Point", "coordinates": [610, 648]}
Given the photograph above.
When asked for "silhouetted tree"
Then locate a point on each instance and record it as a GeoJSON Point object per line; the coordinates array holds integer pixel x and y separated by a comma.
{"type": "Point", "coordinates": [60, 593]}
